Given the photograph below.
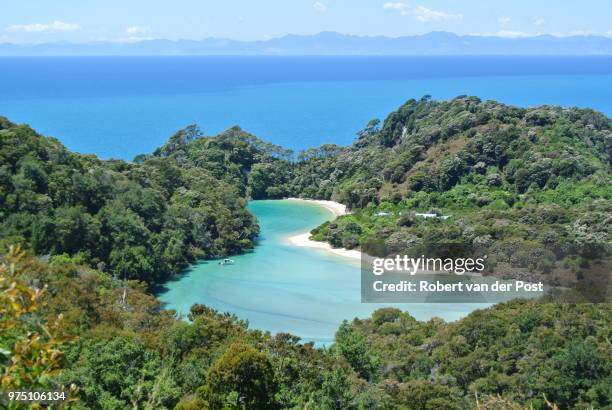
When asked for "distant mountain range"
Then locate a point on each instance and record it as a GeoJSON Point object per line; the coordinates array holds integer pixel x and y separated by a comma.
{"type": "Point", "coordinates": [330, 43]}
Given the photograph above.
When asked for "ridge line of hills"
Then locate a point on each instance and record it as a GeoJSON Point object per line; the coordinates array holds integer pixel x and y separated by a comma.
{"type": "Point", "coordinates": [329, 43]}
{"type": "Point", "coordinates": [531, 185]}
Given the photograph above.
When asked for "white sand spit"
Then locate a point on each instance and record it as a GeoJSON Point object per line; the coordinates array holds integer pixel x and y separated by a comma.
{"type": "Point", "coordinates": [336, 207]}
{"type": "Point", "coordinates": [303, 239]}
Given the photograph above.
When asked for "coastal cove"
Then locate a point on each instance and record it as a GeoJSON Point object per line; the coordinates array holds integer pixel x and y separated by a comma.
{"type": "Point", "coordinates": [280, 287]}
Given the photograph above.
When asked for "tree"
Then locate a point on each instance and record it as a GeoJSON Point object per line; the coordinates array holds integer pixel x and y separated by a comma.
{"type": "Point", "coordinates": [30, 354]}
{"type": "Point", "coordinates": [352, 346]}
{"type": "Point", "coordinates": [242, 378]}
{"type": "Point", "coordinates": [371, 128]}
{"type": "Point", "coordinates": [121, 372]}
{"type": "Point", "coordinates": [335, 390]}
{"type": "Point", "coordinates": [422, 394]}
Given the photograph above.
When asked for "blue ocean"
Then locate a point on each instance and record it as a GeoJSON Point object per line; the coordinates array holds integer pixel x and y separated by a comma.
{"type": "Point", "coordinates": [121, 106]}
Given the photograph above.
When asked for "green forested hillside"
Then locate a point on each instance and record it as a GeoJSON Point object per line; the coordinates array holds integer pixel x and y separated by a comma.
{"type": "Point", "coordinates": [433, 146]}
{"type": "Point", "coordinates": [258, 169]}
{"type": "Point", "coordinates": [532, 184]}
{"type": "Point", "coordinates": [136, 221]}
{"type": "Point", "coordinates": [129, 353]}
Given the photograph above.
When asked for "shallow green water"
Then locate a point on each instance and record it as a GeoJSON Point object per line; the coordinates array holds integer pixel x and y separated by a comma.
{"type": "Point", "coordinates": [283, 288]}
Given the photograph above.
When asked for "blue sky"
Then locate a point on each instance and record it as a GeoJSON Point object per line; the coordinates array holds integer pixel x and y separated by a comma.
{"type": "Point", "coordinates": [34, 21]}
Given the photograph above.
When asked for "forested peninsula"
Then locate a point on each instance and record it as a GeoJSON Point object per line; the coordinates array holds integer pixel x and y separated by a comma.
{"type": "Point", "coordinates": [530, 186]}
{"type": "Point", "coordinates": [85, 240]}
{"type": "Point", "coordinates": [134, 221]}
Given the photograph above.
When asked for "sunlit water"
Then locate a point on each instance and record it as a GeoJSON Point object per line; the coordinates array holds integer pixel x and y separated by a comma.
{"type": "Point", "coordinates": [120, 107]}
{"type": "Point", "coordinates": [280, 287]}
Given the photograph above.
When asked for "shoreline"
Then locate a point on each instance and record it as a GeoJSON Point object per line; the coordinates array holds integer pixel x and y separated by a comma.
{"type": "Point", "coordinates": [303, 239]}
{"type": "Point", "coordinates": [336, 208]}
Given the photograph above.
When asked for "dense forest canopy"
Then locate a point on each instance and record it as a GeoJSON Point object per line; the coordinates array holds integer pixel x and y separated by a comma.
{"type": "Point", "coordinates": [530, 185]}
{"type": "Point", "coordinates": [533, 184]}
{"type": "Point", "coordinates": [130, 353]}
{"type": "Point", "coordinates": [258, 169]}
{"type": "Point", "coordinates": [136, 221]}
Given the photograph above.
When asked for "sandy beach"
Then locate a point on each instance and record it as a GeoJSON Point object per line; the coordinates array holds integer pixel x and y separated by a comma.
{"type": "Point", "coordinates": [336, 207]}
{"type": "Point", "coordinates": [303, 239]}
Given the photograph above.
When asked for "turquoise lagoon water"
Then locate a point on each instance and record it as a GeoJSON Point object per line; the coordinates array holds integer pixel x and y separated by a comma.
{"type": "Point", "coordinates": [280, 287]}
{"type": "Point", "coordinates": [121, 106]}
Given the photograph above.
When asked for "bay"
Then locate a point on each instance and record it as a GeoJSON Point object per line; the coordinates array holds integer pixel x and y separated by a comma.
{"type": "Point", "coordinates": [280, 287]}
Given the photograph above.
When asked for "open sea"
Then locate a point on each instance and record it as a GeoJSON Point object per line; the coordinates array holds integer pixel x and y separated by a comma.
{"type": "Point", "coordinates": [122, 106]}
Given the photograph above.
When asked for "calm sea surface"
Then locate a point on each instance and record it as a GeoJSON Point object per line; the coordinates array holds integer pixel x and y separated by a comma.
{"type": "Point", "coordinates": [121, 106]}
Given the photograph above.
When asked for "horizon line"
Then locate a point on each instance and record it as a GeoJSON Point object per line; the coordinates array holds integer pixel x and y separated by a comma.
{"type": "Point", "coordinates": [136, 40]}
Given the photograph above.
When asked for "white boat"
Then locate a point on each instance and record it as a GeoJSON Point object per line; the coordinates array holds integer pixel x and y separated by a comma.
{"type": "Point", "coordinates": [226, 262]}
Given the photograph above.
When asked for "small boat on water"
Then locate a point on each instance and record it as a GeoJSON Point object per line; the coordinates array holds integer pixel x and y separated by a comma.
{"type": "Point", "coordinates": [226, 262]}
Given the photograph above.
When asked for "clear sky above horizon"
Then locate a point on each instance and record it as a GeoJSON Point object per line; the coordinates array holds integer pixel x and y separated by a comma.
{"type": "Point", "coordinates": [37, 21]}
